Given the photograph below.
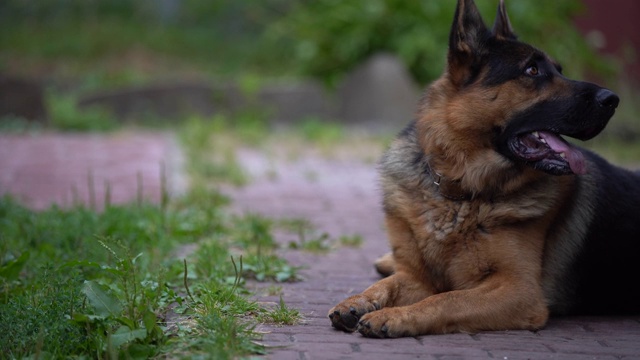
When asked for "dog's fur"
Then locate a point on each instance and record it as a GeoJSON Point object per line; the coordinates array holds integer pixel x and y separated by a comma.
{"type": "Point", "coordinates": [495, 221]}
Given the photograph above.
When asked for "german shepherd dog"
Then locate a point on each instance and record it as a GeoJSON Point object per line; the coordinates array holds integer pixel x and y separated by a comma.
{"type": "Point", "coordinates": [494, 220]}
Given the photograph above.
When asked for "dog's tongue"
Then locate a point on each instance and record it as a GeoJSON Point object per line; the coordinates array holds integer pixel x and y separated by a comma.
{"type": "Point", "coordinates": [559, 145]}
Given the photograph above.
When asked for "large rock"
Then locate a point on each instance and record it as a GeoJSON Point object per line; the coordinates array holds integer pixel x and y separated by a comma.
{"type": "Point", "coordinates": [288, 103]}
{"type": "Point", "coordinates": [280, 102]}
{"type": "Point", "coordinates": [22, 98]}
{"type": "Point", "coordinates": [379, 93]}
{"type": "Point", "coordinates": [161, 100]}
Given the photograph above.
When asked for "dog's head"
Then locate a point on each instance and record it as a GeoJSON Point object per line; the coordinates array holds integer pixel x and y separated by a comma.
{"type": "Point", "coordinates": [517, 95]}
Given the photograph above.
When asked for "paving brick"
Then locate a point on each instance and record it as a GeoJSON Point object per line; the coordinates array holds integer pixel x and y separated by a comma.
{"type": "Point", "coordinates": [48, 168]}
{"type": "Point", "coordinates": [286, 355]}
{"type": "Point", "coordinates": [517, 355]}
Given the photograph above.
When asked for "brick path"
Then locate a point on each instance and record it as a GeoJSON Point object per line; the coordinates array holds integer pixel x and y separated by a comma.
{"type": "Point", "coordinates": [339, 197]}
{"type": "Point", "coordinates": [42, 169]}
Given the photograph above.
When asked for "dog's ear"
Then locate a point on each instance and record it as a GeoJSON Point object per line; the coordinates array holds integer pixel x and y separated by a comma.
{"type": "Point", "coordinates": [502, 27]}
{"type": "Point", "coordinates": [466, 42]}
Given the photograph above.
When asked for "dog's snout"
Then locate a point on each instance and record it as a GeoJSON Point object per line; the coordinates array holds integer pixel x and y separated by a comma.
{"type": "Point", "coordinates": [607, 98]}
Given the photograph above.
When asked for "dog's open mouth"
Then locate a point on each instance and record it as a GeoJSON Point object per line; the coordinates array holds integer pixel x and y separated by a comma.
{"type": "Point", "coordinates": [548, 151]}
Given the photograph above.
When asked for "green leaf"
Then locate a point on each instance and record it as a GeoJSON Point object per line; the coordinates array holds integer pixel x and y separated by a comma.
{"type": "Point", "coordinates": [140, 351]}
{"type": "Point", "coordinates": [149, 319]}
{"type": "Point", "coordinates": [126, 322]}
{"type": "Point", "coordinates": [125, 335]}
{"type": "Point", "coordinates": [103, 303]}
{"type": "Point", "coordinates": [12, 269]}
{"type": "Point", "coordinates": [86, 319]}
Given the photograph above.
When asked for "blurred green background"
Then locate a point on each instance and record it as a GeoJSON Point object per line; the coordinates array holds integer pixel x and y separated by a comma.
{"type": "Point", "coordinates": [102, 44]}
{"type": "Point", "coordinates": [123, 41]}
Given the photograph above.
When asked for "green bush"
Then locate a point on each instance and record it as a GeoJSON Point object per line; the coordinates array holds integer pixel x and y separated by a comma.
{"type": "Point", "coordinates": [328, 38]}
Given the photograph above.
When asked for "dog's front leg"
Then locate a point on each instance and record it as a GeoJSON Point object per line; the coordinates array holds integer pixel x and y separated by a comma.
{"type": "Point", "coordinates": [398, 289]}
{"type": "Point", "coordinates": [500, 303]}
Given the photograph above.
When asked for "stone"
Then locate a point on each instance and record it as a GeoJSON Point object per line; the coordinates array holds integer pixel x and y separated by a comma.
{"type": "Point", "coordinates": [159, 100]}
{"type": "Point", "coordinates": [379, 93]}
{"type": "Point", "coordinates": [22, 98]}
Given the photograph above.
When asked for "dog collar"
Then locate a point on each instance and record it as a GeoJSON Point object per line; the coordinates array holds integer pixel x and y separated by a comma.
{"type": "Point", "coordinates": [449, 189]}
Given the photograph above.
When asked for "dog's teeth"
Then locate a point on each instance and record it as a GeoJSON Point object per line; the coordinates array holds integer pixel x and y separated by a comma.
{"type": "Point", "coordinates": [537, 134]}
{"type": "Point", "coordinates": [542, 140]}
{"type": "Point", "coordinates": [563, 155]}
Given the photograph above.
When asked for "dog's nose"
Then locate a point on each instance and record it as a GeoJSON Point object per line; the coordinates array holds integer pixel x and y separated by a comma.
{"type": "Point", "coordinates": [607, 98]}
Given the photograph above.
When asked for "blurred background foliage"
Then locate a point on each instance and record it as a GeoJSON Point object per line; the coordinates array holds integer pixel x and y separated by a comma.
{"type": "Point", "coordinates": [330, 37]}
{"type": "Point", "coordinates": [75, 46]}
{"type": "Point", "coordinates": [124, 41]}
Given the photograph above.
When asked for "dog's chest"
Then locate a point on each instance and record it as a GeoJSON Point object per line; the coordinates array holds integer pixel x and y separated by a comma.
{"type": "Point", "coordinates": [440, 221]}
{"type": "Point", "coordinates": [453, 241]}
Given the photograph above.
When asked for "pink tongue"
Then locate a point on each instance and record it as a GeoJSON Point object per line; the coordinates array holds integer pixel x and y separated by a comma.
{"type": "Point", "coordinates": [559, 145]}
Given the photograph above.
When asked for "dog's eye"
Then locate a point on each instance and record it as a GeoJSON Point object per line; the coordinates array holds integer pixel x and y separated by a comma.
{"type": "Point", "coordinates": [532, 71]}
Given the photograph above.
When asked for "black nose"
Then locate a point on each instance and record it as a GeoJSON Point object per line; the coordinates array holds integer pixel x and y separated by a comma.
{"type": "Point", "coordinates": [607, 98]}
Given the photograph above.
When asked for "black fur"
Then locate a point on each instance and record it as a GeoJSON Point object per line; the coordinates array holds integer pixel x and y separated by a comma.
{"type": "Point", "coordinates": [606, 270]}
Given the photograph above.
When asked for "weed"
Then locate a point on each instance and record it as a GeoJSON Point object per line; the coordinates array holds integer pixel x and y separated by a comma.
{"type": "Point", "coordinates": [317, 244]}
{"type": "Point", "coordinates": [36, 317]}
{"type": "Point", "coordinates": [273, 290]}
{"type": "Point", "coordinates": [298, 226]}
{"type": "Point", "coordinates": [281, 315]}
{"type": "Point", "coordinates": [270, 268]}
{"type": "Point", "coordinates": [322, 133]}
{"type": "Point", "coordinates": [308, 237]}
{"type": "Point", "coordinates": [211, 155]}
{"type": "Point", "coordinates": [350, 241]}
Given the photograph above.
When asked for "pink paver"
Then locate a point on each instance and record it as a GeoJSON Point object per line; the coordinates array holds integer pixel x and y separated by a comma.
{"type": "Point", "coordinates": [50, 168]}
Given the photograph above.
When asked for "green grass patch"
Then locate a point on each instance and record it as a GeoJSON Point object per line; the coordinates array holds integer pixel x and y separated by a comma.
{"type": "Point", "coordinates": [350, 240]}
{"type": "Point", "coordinates": [211, 160]}
{"type": "Point", "coordinates": [311, 240]}
{"type": "Point", "coordinates": [79, 283]}
{"type": "Point", "coordinates": [281, 315]}
{"type": "Point", "coordinates": [65, 115]}
{"type": "Point", "coordinates": [210, 145]}
{"type": "Point", "coordinates": [321, 133]}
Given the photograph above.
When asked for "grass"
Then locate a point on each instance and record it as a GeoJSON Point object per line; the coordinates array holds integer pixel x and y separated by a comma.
{"type": "Point", "coordinates": [311, 240]}
{"type": "Point", "coordinates": [211, 144]}
{"type": "Point", "coordinates": [354, 241]}
{"type": "Point", "coordinates": [80, 283]}
{"type": "Point", "coordinates": [66, 116]}
{"type": "Point", "coordinates": [321, 133]}
{"type": "Point", "coordinates": [281, 315]}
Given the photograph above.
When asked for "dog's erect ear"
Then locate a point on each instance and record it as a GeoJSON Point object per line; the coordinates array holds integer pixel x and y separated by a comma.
{"type": "Point", "coordinates": [466, 42]}
{"type": "Point", "coordinates": [502, 27]}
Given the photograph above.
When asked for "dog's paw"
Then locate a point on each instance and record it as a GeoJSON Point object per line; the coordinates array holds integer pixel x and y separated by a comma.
{"type": "Point", "coordinates": [386, 323]}
{"type": "Point", "coordinates": [346, 315]}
